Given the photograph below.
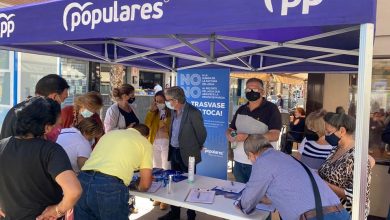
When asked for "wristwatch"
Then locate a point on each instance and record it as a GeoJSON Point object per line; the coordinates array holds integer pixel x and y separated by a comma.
{"type": "Point", "coordinates": [59, 213]}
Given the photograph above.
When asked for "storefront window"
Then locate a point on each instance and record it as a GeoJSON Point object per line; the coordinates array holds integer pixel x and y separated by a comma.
{"type": "Point", "coordinates": [380, 109]}
{"type": "Point", "coordinates": [5, 84]}
{"type": "Point", "coordinates": [33, 68]}
{"type": "Point", "coordinates": [75, 72]}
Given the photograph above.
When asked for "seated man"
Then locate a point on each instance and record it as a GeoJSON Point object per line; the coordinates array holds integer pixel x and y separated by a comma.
{"type": "Point", "coordinates": [278, 178]}
{"type": "Point", "coordinates": [108, 172]}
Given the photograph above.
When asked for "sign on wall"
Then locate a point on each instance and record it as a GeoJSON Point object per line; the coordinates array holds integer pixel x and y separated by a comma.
{"type": "Point", "coordinates": [208, 90]}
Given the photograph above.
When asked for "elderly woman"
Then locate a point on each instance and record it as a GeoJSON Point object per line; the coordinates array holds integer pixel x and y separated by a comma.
{"type": "Point", "coordinates": [337, 170]}
{"type": "Point", "coordinates": [36, 177]}
{"type": "Point", "coordinates": [273, 174]}
{"type": "Point", "coordinates": [314, 149]}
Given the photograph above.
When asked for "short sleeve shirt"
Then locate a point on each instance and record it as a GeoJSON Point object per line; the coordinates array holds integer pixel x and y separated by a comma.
{"type": "Point", "coordinates": [28, 168]}
{"type": "Point", "coordinates": [75, 145]}
{"type": "Point", "coordinates": [267, 112]}
{"type": "Point", "coordinates": [119, 153]}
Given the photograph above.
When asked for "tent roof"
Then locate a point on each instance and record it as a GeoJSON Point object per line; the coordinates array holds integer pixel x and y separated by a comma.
{"type": "Point", "coordinates": [252, 35]}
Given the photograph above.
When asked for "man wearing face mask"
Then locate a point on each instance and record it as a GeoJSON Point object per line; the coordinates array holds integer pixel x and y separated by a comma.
{"type": "Point", "coordinates": [51, 86]}
{"type": "Point", "coordinates": [258, 116]}
{"type": "Point", "coordinates": [187, 137]}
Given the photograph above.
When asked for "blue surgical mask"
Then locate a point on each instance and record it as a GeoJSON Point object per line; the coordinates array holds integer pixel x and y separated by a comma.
{"type": "Point", "coordinates": [332, 139]}
{"type": "Point", "coordinates": [169, 105]}
{"type": "Point", "coordinates": [86, 113]}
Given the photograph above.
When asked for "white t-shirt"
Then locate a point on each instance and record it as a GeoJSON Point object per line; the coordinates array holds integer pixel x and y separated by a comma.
{"type": "Point", "coordinates": [157, 88]}
{"type": "Point", "coordinates": [75, 145]}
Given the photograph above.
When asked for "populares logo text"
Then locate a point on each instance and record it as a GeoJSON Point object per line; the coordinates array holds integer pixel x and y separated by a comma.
{"type": "Point", "coordinates": [86, 15]}
{"type": "Point", "coordinates": [7, 26]}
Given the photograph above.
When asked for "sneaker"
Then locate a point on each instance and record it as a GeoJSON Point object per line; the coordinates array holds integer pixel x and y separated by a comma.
{"type": "Point", "coordinates": [163, 206]}
{"type": "Point", "coordinates": [156, 203]}
{"type": "Point", "coordinates": [169, 216]}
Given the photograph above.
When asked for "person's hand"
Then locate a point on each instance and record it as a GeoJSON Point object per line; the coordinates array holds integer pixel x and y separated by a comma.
{"type": "Point", "coordinates": [2, 214]}
{"type": "Point", "coordinates": [266, 200]}
{"type": "Point", "coordinates": [49, 213]}
{"type": "Point", "coordinates": [131, 125]}
{"type": "Point", "coordinates": [292, 118]}
{"type": "Point", "coordinates": [241, 137]}
{"type": "Point", "coordinates": [153, 107]}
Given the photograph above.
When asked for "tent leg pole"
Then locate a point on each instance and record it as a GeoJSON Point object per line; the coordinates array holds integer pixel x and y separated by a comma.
{"type": "Point", "coordinates": [362, 120]}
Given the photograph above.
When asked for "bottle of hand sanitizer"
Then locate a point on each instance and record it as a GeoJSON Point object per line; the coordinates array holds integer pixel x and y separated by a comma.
{"type": "Point", "coordinates": [191, 169]}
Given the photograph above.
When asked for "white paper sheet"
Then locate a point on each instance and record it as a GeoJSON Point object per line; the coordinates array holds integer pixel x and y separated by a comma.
{"type": "Point", "coordinates": [201, 196]}
{"type": "Point", "coordinates": [248, 125]}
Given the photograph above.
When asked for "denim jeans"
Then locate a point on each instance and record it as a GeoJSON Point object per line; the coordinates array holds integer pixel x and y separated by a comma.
{"type": "Point", "coordinates": [103, 198]}
{"type": "Point", "coordinates": [242, 172]}
{"type": "Point", "coordinates": [339, 215]}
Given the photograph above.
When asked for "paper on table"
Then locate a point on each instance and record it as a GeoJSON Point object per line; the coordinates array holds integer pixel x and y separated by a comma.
{"type": "Point", "coordinates": [201, 196]}
{"type": "Point", "coordinates": [154, 187]}
{"type": "Point", "coordinates": [265, 207]}
{"type": "Point", "coordinates": [232, 187]}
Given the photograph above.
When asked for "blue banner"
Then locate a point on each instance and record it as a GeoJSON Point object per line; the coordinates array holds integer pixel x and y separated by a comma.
{"type": "Point", "coordinates": [208, 90]}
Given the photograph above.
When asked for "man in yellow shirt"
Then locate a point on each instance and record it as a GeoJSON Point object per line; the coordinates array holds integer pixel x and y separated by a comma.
{"type": "Point", "coordinates": [109, 170]}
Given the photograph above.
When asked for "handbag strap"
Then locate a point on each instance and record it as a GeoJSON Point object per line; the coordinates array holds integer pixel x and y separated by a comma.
{"type": "Point", "coordinates": [317, 196]}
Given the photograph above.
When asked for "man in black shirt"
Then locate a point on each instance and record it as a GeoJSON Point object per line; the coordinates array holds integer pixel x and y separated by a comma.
{"type": "Point", "coordinates": [52, 86]}
{"type": "Point", "coordinates": [258, 116]}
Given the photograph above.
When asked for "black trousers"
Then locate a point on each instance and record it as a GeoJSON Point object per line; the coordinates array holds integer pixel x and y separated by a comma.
{"type": "Point", "coordinates": [178, 165]}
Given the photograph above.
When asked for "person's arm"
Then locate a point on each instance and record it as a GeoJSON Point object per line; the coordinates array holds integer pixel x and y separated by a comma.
{"type": "Point", "coordinates": [198, 125]}
{"type": "Point", "coordinates": [111, 120]}
{"type": "Point", "coordinates": [232, 127]}
{"type": "Point", "coordinates": [274, 126]}
{"type": "Point", "coordinates": [340, 192]}
{"type": "Point", "coordinates": [71, 189]}
{"type": "Point", "coordinates": [2, 214]}
{"type": "Point", "coordinates": [255, 189]}
{"type": "Point", "coordinates": [81, 161]}
{"type": "Point", "coordinates": [149, 118]}
{"type": "Point", "coordinates": [146, 179]}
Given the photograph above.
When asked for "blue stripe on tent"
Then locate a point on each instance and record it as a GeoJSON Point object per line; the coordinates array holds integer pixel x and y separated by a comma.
{"type": "Point", "coordinates": [16, 61]}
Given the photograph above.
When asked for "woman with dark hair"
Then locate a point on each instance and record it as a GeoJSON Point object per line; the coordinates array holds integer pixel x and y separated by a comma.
{"type": "Point", "coordinates": [337, 170]}
{"type": "Point", "coordinates": [121, 115]}
{"type": "Point", "coordinates": [296, 131]}
{"type": "Point", "coordinates": [36, 178]}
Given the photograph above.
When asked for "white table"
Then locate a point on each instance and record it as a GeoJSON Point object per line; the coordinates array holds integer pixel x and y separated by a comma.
{"type": "Point", "coordinates": [222, 207]}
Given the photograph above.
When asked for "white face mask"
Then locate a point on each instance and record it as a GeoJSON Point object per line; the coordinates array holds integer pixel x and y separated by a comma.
{"type": "Point", "coordinates": [160, 106]}
{"type": "Point", "coordinates": [168, 104]}
{"type": "Point", "coordinates": [86, 113]}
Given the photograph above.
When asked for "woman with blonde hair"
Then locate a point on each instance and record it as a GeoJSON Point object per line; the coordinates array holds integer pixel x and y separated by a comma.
{"type": "Point", "coordinates": [84, 106]}
{"type": "Point", "coordinates": [314, 149]}
{"type": "Point", "coordinates": [121, 114]}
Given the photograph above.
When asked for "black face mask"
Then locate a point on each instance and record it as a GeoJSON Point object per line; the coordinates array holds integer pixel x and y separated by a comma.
{"type": "Point", "coordinates": [131, 100]}
{"type": "Point", "coordinates": [311, 135]}
{"type": "Point", "coordinates": [252, 96]}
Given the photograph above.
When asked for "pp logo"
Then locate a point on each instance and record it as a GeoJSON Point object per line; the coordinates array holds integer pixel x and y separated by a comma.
{"type": "Point", "coordinates": [286, 4]}
{"type": "Point", "coordinates": [7, 26]}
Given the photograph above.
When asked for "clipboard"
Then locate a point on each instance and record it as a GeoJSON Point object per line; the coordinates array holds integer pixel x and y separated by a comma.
{"type": "Point", "coordinates": [200, 196]}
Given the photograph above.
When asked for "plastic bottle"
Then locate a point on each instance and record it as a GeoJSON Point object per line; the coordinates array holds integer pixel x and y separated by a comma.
{"type": "Point", "coordinates": [233, 133]}
{"type": "Point", "coordinates": [191, 169]}
{"type": "Point", "coordinates": [170, 184]}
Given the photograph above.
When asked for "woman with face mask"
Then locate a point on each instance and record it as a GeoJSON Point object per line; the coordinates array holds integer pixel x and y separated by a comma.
{"type": "Point", "coordinates": [314, 149]}
{"type": "Point", "coordinates": [121, 114]}
{"type": "Point", "coordinates": [84, 106]}
{"type": "Point", "coordinates": [158, 119]}
{"type": "Point", "coordinates": [337, 170]}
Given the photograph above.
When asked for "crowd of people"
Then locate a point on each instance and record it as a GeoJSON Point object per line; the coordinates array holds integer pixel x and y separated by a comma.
{"type": "Point", "coordinates": [57, 163]}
